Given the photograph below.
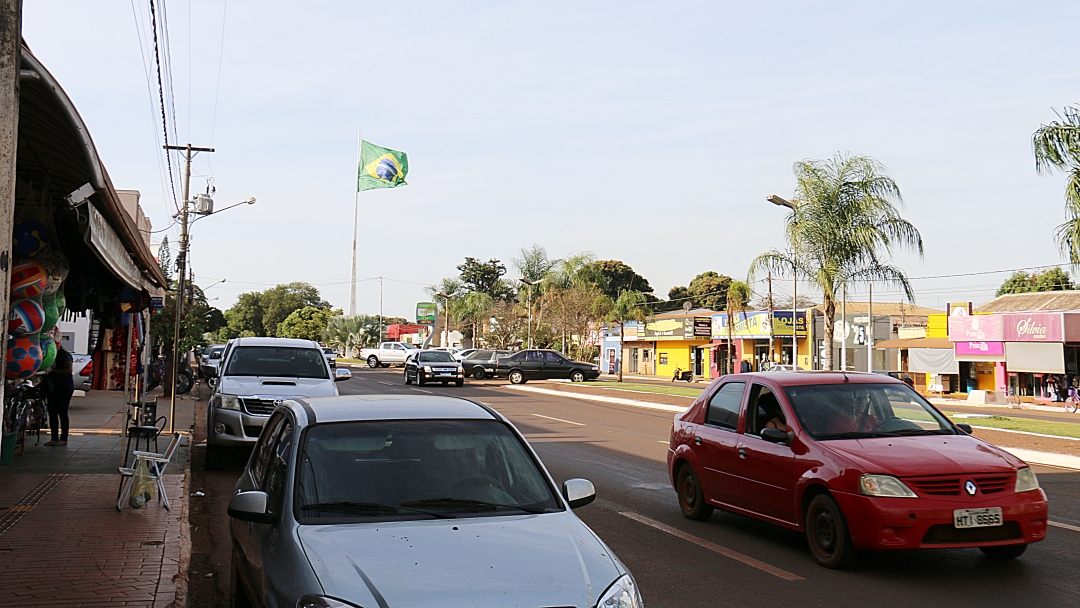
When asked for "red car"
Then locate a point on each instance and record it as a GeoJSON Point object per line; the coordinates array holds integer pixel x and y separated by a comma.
{"type": "Point", "coordinates": [856, 461]}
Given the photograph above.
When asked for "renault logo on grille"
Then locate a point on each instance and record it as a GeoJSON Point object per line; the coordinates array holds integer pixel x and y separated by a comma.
{"type": "Point", "coordinates": [970, 487]}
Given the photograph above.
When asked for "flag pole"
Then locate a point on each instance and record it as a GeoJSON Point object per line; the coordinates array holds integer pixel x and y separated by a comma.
{"type": "Point", "coordinates": [356, 212]}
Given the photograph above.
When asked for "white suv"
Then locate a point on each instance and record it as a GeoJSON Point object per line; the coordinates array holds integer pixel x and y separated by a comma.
{"type": "Point", "coordinates": [254, 374]}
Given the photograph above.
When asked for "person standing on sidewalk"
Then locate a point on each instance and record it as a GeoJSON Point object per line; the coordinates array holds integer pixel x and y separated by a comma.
{"type": "Point", "coordinates": [60, 388]}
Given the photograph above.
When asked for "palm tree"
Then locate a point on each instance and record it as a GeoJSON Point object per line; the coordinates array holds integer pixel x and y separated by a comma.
{"type": "Point", "coordinates": [1057, 146]}
{"type": "Point", "coordinates": [351, 333]}
{"type": "Point", "coordinates": [629, 306]}
{"type": "Point", "coordinates": [444, 293]}
{"type": "Point", "coordinates": [843, 219]}
{"type": "Point", "coordinates": [738, 294]}
{"type": "Point", "coordinates": [473, 308]}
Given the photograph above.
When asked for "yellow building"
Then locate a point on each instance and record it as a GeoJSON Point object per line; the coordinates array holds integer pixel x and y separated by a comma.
{"type": "Point", "coordinates": [674, 340]}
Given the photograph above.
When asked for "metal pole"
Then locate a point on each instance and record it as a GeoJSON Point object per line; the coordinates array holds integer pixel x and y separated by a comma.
{"type": "Point", "coordinates": [843, 343]}
{"type": "Point", "coordinates": [870, 336]}
{"type": "Point", "coordinates": [380, 310]}
{"type": "Point", "coordinates": [147, 343]}
{"type": "Point", "coordinates": [356, 218]}
{"type": "Point", "coordinates": [795, 309]}
{"type": "Point", "coordinates": [10, 59]}
{"type": "Point", "coordinates": [127, 360]}
{"type": "Point", "coordinates": [530, 315]}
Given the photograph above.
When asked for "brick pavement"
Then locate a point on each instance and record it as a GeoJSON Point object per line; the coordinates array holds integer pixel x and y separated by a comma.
{"type": "Point", "coordinates": [62, 541]}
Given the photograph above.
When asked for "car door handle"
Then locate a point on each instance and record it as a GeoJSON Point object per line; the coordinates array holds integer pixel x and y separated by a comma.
{"type": "Point", "coordinates": [742, 452]}
{"type": "Point", "coordinates": [697, 440]}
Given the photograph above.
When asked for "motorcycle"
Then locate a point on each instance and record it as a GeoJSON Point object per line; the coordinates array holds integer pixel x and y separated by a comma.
{"type": "Point", "coordinates": [184, 379]}
{"type": "Point", "coordinates": [681, 375]}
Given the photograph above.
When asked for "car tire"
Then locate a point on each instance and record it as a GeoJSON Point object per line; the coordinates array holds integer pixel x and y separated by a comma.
{"type": "Point", "coordinates": [237, 594]}
{"type": "Point", "coordinates": [577, 376]}
{"type": "Point", "coordinates": [385, 365]}
{"type": "Point", "coordinates": [827, 533]}
{"type": "Point", "coordinates": [459, 383]}
{"type": "Point", "coordinates": [1004, 552]}
{"type": "Point", "coordinates": [479, 374]}
{"type": "Point", "coordinates": [445, 382]}
{"type": "Point", "coordinates": [691, 497]}
{"type": "Point", "coordinates": [215, 457]}
{"type": "Point", "coordinates": [516, 377]}
{"type": "Point", "coordinates": [420, 380]}
{"type": "Point", "coordinates": [373, 362]}
{"type": "Point", "coordinates": [408, 380]}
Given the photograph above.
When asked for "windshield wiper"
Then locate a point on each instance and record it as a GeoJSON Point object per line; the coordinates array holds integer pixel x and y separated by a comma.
{"type": "Point", "coordinates": [857, 435]}
{"type": "Point", "coordinates": [367, 508]}
{"type": "Point", "coordinates": [465, 502]}
{"type": "Point", "coordinates": [924, 432]}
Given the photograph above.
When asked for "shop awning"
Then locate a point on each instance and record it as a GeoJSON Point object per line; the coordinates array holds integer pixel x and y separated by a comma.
{"type": "Point", "coordinates": [915, 343]}
{"type": "Point", "coordinates": [932, 361]}
{"type": "Point", "coordinates": [1035, 357]}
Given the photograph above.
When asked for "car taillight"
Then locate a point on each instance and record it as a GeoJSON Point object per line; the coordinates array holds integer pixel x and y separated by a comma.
{"type": "Point", "coordinates": [88, 370]}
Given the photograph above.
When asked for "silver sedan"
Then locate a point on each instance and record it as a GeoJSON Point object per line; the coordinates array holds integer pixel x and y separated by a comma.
{"type": "Point", "coordinates": [400, 500]}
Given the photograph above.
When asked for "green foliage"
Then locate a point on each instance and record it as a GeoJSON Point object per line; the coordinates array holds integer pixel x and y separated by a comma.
{"type": "Point", "coordinates": [707, 290]}
{"type": "Point", "coordinates": [507, 326]}
{"type": "Point", "coordinates": [1052, 279]}
{"type": "Point", "coordinates": [306, 323]}
{"type": "Point", "coordinates": [628, 306]}
{"type": "Point", "coordinates": [1057, 146]}
{"type": "Point", "coordinates": [351, 333]}
{"type": "Point", "coordinates": [260, 313]}
{"type": "Point", "coordinates": [199, 320]}
{"type": "Point", "coordinates": [165, 261]}
{"type": "Point", "coordinates": [485, 277]}
{"type": "Point", "coordinates": [613, 277]}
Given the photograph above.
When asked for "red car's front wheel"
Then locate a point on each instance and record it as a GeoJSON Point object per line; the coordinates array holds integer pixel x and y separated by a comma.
{"type": "Point", "coordinates": [827, 533]}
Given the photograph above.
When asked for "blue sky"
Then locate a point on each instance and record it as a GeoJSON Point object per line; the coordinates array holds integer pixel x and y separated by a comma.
{"type": "Point", "coordinates": [646, 132]}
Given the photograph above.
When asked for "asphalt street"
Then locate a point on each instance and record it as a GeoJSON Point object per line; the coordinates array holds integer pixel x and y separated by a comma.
{"type": "Point", "coordinates": [728, 560]}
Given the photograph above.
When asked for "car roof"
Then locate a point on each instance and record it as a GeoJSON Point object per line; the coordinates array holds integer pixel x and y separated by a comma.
{"type": "Point", "coordinates": [803, 377]}
{"type": "Point", "coordinates": [286, 342]}
{"type": "Point", "coordinates": [349, 408]}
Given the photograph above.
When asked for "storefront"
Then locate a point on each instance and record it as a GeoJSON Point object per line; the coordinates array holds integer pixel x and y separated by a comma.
{"type": "Point", "coordinates": [678, 341]}
{"type": "Point", "coordinates": [758, 340]}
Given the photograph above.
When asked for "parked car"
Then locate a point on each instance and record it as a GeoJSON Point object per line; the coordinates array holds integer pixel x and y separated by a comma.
{"type": "Point", "coordinates": [331, 356]}
{"type": "Point", "coordinates": [388, 353]}
{"type": "Point", "coordinates": [902, 376]}
{"type": "Point", "coordinates": [411, 501]}
{"type": "Point", "coordinates": [255, 374]}
{"type": "Point", "coordinates": [463, 354]}
{"type": "Point", "coordinates": [480, 364]}
{"type": "Point", "coordinates": [209, 360]}
{"type": "Point", "coordinates": [537, 364]}
{"type": "Point", "coordinates": [433, 366]}
{"type": "Point", "coordinates": [82, 371]}
{"type": "Point", "coordinates": [854, 461]}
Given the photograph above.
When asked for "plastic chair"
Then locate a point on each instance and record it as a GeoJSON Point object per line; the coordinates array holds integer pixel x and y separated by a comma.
{"type": "Point", "coordinates": [156, 464]}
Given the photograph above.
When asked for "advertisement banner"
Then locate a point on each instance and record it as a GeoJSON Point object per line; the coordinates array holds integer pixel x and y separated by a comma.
{"type": "Point", "coordinates": [1034, 327]}
{"type": "Point", "coordinates": [981, 328]}
{"type": "Point", "coordinates": [782, 322]}
{"type": "Point", "coordinates": [756, 325]}
{"type": "Point", "coordinates": [702, 327]}
{"type": "Point", "coordinates": [980, 348]}
{"type": "Point", "coordinates": [426, 313]}
{"type": "Point", "coordinates": [666, 328]}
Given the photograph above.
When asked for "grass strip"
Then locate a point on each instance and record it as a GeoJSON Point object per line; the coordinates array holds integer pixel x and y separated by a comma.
{"type": "Point", "coordinates": [660, 389]}
{"type": "Point", "coordinates": [1030, 425]}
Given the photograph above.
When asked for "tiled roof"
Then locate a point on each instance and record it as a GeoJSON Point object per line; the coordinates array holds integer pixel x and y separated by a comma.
{"type": "Point", "coordinates": [1039, 300]}
{"type": "Point", "coordinates": [892, 309]}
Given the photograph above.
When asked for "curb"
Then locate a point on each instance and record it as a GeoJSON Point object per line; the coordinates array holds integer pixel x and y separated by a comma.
{"type": "Point", "coordinates": [616, 400]}
{"type": "Point", "coordinates": [180, 579]}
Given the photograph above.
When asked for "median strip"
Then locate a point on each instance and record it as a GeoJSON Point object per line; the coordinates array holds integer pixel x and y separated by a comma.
{"type": "Point", "coordinates": [728, 553]}
{"type": "Point", "coordinates": [559, 420]}
{"type": "Point", "coordinates": [616, 400]}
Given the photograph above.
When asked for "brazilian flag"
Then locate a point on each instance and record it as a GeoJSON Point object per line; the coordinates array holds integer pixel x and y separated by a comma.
{"type": "Point", "coordinates": [381, 167]}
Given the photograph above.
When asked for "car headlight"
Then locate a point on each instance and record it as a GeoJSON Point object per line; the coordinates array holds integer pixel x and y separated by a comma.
{"type": "Point", "coordinates": [884, 485]}
{"type": "Point", "coordinates": [427, 369]}
{"type": "Point", "coordinates": [229, 402]}
{"type": "Point", "coordinates": [623, 593]}
{"type": "Point", "coordinates": [321, 601]}
{"type": "Point", "coordinates": [1026, 480]}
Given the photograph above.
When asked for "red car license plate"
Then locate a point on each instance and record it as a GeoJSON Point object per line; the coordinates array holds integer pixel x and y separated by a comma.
{"type": "Point", "coordinates": [977, 518]}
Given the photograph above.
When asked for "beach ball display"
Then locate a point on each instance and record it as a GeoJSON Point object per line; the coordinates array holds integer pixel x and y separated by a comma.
{"type": "Point", "coordinates": [56, 270]}
{"type": "Point", "coordinates": [29, 237]}
{"type": "Point", "coordinates": [23, 358]}
{"type": "Point", "coordinates": [27, 279]}
{"type": "Point", "coordinates": [27, 317]}
{"type": "Point", "coordinates": [48, 351]}
{"type": "Point", "coordinates": [61, 302]}
{"type": "Point", "coordinates": [55, 334]}
{"type": "Point", "coordinates": [52, 314]}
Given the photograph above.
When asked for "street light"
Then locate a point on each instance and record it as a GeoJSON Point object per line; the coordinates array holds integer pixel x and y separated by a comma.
{"type": "Point", "coordinates": [530, 284]}
{"type": "Point", "coordinates": [446, 311]}
{"type": "Point", "coordinates": [783, 202]}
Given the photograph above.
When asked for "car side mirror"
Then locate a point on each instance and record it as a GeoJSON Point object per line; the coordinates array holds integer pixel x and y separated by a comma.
{"type": "Point", "coordinates": [251, 506]}
{"type": "Point", "coordinates": [578, 492]}
{"type": "Point", "coordinates": [777, 436]}
{"type": "Point", "coordinates": [966, 428]}
{"type": "Point", "coordinates": [341, 374]}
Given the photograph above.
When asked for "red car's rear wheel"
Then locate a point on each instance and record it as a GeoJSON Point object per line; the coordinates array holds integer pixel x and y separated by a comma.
{"type": "Point", "coordinates": [691, 498]}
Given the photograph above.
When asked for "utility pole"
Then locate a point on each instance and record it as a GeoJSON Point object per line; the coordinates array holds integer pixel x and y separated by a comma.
{"type": "Point", "coordinates": [355, 219]}
{"type": "Point", "coordinates": [870, 334]}
{"type": "Point", "coordinates": [181, 275]}
{"type": "Point", "coordinates": [772, 339]}
{"type": "Point", "coordinates": [10, 60]}
{"type": "Point", "coordinates": [380, 311]}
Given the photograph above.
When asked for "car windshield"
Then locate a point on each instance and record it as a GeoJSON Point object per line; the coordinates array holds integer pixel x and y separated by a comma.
{"type": "Point", "coordinates": [409, 346]}
{"type": "Point", "coordinates": [277, 361]}
{"type": "Point", "coordinates": [853, 411]}
{"type": "Point", "coordinates": [215, 353]}
{"type": "Point", "coordinates": [436, 356]}
{"type": "Point", "coordinates": [480, 354]}
{"type": "Point", "coordinates": [328, 351]}
{"type": "Point", "coordinates": [350, 471]}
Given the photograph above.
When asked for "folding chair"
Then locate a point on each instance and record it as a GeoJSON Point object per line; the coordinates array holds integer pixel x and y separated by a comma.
{"type": "Point", "coordinates": [156, 464]}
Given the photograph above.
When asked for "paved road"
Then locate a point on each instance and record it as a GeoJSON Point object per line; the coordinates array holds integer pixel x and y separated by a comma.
{"type": "Point", "coordinates": [728, 560]}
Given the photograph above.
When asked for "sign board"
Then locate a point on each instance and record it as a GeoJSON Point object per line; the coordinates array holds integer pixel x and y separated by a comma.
{"type": "Point", "coordinates": [702, 327]}
{"type": "Point", "coordinates": [988, 328]}
{"type": "Point", "coordinates": [426, 313]}
{"type": "Point", "coordinates": [980, 348]}
{"type": "Point", "coordinates": [108, 247]}
{"type": "Point", "coordinates": [1034, 327]}
{"type": "Point", "coordinates": [157, 303]}
{"type": "Point", "coordinates": [756, 324]}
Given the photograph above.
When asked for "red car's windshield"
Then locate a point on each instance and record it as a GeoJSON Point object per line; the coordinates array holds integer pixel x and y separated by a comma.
{"type": "Point", "coordinates": [851, 411]}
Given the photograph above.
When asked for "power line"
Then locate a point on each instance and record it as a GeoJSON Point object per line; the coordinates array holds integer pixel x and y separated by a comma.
{"type": "Point", "coordinates": [217, 89]}
{"type": "Point", "coordinates": [161, 98]}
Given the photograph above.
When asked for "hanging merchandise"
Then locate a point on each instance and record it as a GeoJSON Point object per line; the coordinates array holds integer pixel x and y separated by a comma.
{"type": "Point", "coordinates": [27, 279]}
{"type": "Point", "coordinates": [55, 334]}
{"type": "Point", "coordinates": [52, 315]}
{"type": "Point", "coordinates": [61, 302]}
{"type": "Point", "coordinates": [48, 351]}
{"type": "Point", "coordinates": [56, 270]}
{"type": "Point", "coordinates": [29, 238]}
{"type": "Point", "coordinates": [23, 357]}
{"type": "Point", "coordinates": [27, 317]}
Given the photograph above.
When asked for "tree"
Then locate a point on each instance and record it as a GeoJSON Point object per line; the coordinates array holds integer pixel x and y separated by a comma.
{"type": "Point", "coordinates": [1057, 146]}
{"type": "Point", "coordinates": [351, 333]}
{"type": "Point", "coordinates": [613, 277]}
{"type": "Point", "coordinates": [736, 298]}
{"type": "Point", "coordinates": [842, 221]}
{"type": "Point", "coordinates": [707, 290]}
{"type": "Point", "coordinates": [199, 321]}
{"type": "Point", "coordinates": [280, 302]}
{"type": "Point", "coordinates": [485, 277]}
{"type": "Point", "coordinates": [507, 325]}
{"type": "Point", "coordinates": [245, 318]}
{"type": "Point", "coordinates": [451, 288]}
{"type": "Point", "coordinates": [306, 323]}
{"type": "Point", "coordinates": [473, 310]}
{"type": "Point", "coordinates": [629, 306]}
{"type": "Point", "coordinates": [534, 263]}
{"type": "Point", "coordinates": [575, 311]}
{"type": "Point", "coordinates": [1053, 279]}
{"type": "Point", "coordinates": [165, 261]}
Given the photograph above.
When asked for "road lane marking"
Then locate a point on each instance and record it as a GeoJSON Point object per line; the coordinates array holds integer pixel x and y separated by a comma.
{"type": "Point", "coordinates": [1066, 526]}
{"type": "Point", "coordinates": [387, 383]}
{"type": "Point", "coordinates": [668, 441]}
{"type": "Point", "coordinates": [616, 400]}
{"type": "Point", "coordinates": [559, 420]}
{"type": "Point", "coordinates": [423, 391]}
{"type": "Point", "coordinates": [728, 553]}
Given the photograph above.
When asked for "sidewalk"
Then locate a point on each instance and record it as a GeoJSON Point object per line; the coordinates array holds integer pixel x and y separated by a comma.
{"type": "Point", "coordinates": [62, 541]}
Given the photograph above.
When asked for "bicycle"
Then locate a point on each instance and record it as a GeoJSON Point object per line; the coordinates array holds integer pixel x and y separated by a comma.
{"type": "Point", "coordinates": [1072, 402]}
{"type": "Point", "coordinates": [25, 413]}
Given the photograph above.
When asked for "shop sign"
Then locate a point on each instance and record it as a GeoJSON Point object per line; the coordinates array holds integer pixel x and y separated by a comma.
{"type": "Point", "coordinates": [104, 241]}
{"type": "Point", "coordinates": [157, 303]}
{"type": "Point", "coordinates": [781, 322]}
{"type": "Point", "coordinates": [702, 327]}
{"type": "Point", "coordinates": [426, 313]}
{"type": "Point", "coordinates": [756, 325]}
{"type": "Point", "coordinates": [1034, 327]}
{"type": "Point", "coordinates": [675, 329]}
{"type": "Point", "coordinates": [980, 328]}
{"type": "Point", "coordinates": [980, 348]}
